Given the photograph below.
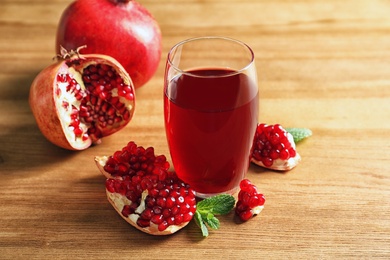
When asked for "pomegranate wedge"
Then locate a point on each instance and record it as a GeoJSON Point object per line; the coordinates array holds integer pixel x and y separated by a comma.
{"type": "Point", "coordinates": [143, 191]}
{"type": "Point", "coordinates": [274, 148]}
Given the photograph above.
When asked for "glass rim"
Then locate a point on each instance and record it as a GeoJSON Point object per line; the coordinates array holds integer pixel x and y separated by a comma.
{"type": "Point", "coordinates": [234, 72]}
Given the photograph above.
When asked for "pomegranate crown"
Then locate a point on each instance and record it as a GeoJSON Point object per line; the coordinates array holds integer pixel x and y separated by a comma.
{"type": "Point", "coordinates": [68, 55]}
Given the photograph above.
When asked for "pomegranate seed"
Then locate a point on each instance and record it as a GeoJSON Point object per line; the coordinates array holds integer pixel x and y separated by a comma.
{"type": "Point", "coordinates": [178, 219]}
{"type": "Point", "coordinates": [147, 214]}
{"type": "Point", "coordinates": [267, 161]}
{"type": "Point", "coordinates": [126, 211]}
{"type": "Point", "coordinates": [126, 115]}
{"type": "Point", "coordinates": [114, 100]}
{"type": "Point", "coordinates": [58, 92]}
{"type": "Point", "coordinates": [163, 225]}
{"type": "Point", "coordinates": [78, 131]}
{"type": "Point", "coordinates": [170, 202]}
{"type": "Point", "coordinates": [245, 215]}
{"type": "Point", "coordinates": [161, 202]}
{"type": "Point", "coordinates": [245, 185]}
{"type": "Point", "coordinates": [184, 209]}
{"type": "Point", "coordinates": [157, 210]}
{"type": "Point", "coordinates": [61, 77]}
{"type": "Point", "coordinates": [187, 217]}
{"type": "Point", "coordinates": [129, 96]}
{"type": "Point", "coordinates": [157, 219]}
{"type": "Point", "coordinates": [86, 78]}
{"type": "Point", "coordinates": [175, 210]}
{"type": "Point", "coordinates": [292, 152]}
{"type": "Point", "coordinates": [143, 222]}
{"type": "Point", "coordinates": [65, 104]}
{"type": "Point", "coordinates": [110, 185]}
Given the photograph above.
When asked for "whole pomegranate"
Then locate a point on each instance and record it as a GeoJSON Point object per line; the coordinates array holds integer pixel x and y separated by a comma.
{"type": "Point", "coordinates": [122, 29]}
{"type": "Point", "coordinates": [81, 98]}
{"type": "Point", "coordinates": [144, 192]}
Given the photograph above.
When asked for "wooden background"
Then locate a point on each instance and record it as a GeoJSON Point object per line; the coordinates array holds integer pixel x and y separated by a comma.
{"type": "Point", "coordinates": [322, 64]}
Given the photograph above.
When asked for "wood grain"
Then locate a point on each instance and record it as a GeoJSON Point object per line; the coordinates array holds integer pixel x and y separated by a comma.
{"type": "Point", "coordinates": [321, 64]}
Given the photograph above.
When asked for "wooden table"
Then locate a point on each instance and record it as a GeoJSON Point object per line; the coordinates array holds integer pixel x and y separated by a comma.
{"type": "Point", "coordinates": [321, 64]}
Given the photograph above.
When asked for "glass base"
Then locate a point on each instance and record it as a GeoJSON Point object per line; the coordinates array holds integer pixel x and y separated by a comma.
{"type": "Point", "coordinates": [207, 195]}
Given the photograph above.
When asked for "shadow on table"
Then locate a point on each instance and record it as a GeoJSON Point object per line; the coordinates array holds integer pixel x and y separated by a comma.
{"type": "Point", "coordinates": [22, 146]}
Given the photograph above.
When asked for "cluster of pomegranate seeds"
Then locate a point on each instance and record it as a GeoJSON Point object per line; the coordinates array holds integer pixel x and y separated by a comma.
{"type": "Point", "coordinates": [101, 106]}
{"type": "Point", "coordinates": [167, 202]}
{"type": "Point", "coordinates": [271, 143]}
{"type": "Point", "coordinates": [150, 194]}
{"type": "Point", "coordinates": [250, 201]}
{"type": "Point", "coordinates": [99, 79]}
{"type": "Point", "coordinates": [135, 160]}
{"type": "Point", "coordinates": [98, 104]}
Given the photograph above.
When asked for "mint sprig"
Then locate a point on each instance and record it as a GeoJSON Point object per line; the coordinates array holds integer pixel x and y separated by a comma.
{"type": "Point", "coordinates": [299, 133]}
{"type": "Point", "coordinates": [209, 207]}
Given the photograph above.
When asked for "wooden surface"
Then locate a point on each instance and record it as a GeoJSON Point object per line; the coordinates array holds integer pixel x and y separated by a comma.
{"type": "Point", "coordinates": [322, 64]}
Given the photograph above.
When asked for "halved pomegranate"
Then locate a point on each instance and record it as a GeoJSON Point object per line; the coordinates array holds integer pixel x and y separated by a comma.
{"type": "Point", "coordinates": [81, 98]}
{"type": "Point", "coordinates": [144, 192]}
{"type": "Point", "coordinates": [274, 148]}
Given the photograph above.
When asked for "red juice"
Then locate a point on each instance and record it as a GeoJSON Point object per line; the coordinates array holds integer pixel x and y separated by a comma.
{"type": "Point", "coordinates": [210, 124]}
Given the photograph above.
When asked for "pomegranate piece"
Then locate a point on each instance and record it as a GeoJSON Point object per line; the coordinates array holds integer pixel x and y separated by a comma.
{"type": "Point", "coordinates": [81, 98]}
{"type": "Point", "coordinates": [250, 202]}
{"type": "Point", "coordinates": [274, 148]}
{"type": "Point", "coordinates": [122, 29]}
{"type": "Point", "coordinates": [144, 192]}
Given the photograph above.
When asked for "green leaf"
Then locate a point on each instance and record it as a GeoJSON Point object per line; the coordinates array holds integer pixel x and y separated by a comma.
{"type": "Point", "coordinates": [208, 208]}
{"type": "Point", "coordinates": [201, 224]}
{"type": "Point", "coordinates": [219, 204]}
{"type": "Point", "coordinates": [212, 221]}
{"type": "Point", "coordinates": [299, 133]}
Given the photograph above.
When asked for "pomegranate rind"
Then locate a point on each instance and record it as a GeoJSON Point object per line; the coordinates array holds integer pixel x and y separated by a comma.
{"type": "Point", "coordinates": [46, 106]}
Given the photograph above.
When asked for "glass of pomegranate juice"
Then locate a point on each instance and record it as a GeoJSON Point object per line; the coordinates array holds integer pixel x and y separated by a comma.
{"type": "Point", "coordinates": [211, 111]}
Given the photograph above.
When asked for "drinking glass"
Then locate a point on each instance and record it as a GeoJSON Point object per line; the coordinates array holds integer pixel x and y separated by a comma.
{"type": "Point", "coordinates": [210, 111]}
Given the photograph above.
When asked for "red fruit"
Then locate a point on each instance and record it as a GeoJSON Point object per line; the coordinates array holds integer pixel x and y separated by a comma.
{"type": "Point", "coordinates": [80, 99]}
{"type": "Point", "coordinates": [143, 191]}
{"type": "Point", "coordinates": [122, 29]}
{"type": "Point", "coordinates": [274, 148]}
{"type": "Point", "coordinates": [250, 202]}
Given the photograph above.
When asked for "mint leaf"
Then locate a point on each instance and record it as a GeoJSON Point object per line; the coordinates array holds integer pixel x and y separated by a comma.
{"type": "Point", "coordinates": [212, 221]}
{"type": "Point", "coordinates": [209, 207]}
{"type": "Point", "coordinates": [299, 133]}
{"type": "Point", "coordinates": [201, 224]}
{"type": "Point", "coordinates": [219, 204]}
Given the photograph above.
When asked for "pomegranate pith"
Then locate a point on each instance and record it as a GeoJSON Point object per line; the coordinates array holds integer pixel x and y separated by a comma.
{"type": "Point", "coordinates": [274, 148]}
{"type": "Point", "coordinates": [144, 192]}
{"type": "Point", "coordinates": [81, 99]}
